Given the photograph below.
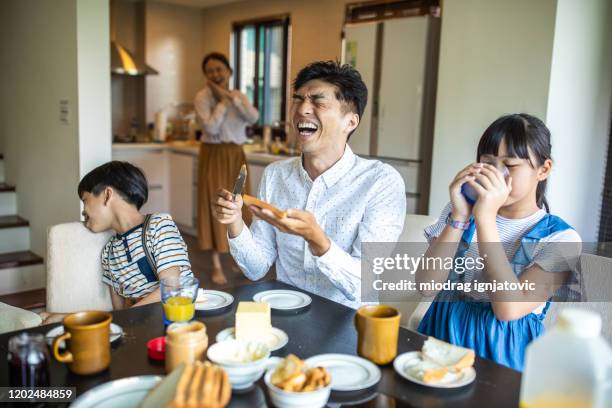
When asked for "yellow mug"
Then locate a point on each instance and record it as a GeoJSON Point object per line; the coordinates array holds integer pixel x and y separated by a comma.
{"type": "Point", "coordinates": [377, 331]}
{"type": "Point", "coordinates": [88, 351]}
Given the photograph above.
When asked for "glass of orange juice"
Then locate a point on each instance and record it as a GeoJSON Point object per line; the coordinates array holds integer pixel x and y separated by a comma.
{"type": "Point", "coordinates": [178, 296]}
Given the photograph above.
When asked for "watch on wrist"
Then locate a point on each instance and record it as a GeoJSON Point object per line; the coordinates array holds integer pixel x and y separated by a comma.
{"type": "Point", "coordinates": [460, 225]}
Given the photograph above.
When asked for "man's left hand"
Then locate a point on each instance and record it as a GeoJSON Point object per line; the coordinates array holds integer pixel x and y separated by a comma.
{"type": "Point", "coordinates": [298, 222]}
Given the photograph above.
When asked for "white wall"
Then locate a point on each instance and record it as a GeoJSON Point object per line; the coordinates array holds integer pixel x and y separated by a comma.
{"type": "Point", "coordinates": [173, 41]}
{"type": "Point", "coordinates": [316, 26]}
{"type": "Point", "coordinates": [550, 58]}
{"type": "Point", "coordinates": [94, 107]}
{"type": "Point", "coordinates": [41, 43]}
{"type": "Point", "coordinates": [495, 59]}
{"type": "Point", "coordinates": [578, 111]}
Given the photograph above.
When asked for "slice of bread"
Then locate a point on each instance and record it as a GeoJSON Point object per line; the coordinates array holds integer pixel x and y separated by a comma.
{"type": "Point", "coordinates": [290, 367]}
{"type": "Point", "coordinates": [444, 354]}
{"type": "Point", "coordinates": [428, 371]}
{"type": "Point", "coordinates": [163, 393]}
{"type": "Point", "coordinates": [250, 200]}
{"type": "Point", "coordinates": [294, 383]}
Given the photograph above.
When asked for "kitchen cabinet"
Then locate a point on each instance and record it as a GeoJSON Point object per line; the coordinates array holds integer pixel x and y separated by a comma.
{"type": "Point", "coordinates": [255, 173]}
{"type": "Point", "coordinates": [183, 188]}
{"type": "Point", "coordinates": [410, 174]}
{"type": "Point", "coordinates": [153, 163]}
{"type": "Point", "coordinates": [398, 62]}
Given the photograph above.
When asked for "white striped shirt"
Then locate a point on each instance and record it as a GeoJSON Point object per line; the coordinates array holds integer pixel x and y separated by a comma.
{"type": "Point", "coordinates": [511, 231]}
{"type": "Point", "coordinates": [125, 264]}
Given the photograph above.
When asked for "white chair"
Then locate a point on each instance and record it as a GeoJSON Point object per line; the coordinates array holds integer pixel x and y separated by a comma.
{"type": "Point", "coordinates": [414, 226]}
{"type": "Point", "coordinates": [413, 309]}
{"type": "Point", "coordinates": [74, 271]}
{"type": "Point", "coordinates": [14, 318]}
{"type": "Point", "coordinates": [597, 282]}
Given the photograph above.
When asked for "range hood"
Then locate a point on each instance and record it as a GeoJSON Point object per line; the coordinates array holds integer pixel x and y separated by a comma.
{"type": "Point", "coordinates": [123, 62]}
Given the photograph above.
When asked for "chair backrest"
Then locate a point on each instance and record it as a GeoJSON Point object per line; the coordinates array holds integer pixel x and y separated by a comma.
{"type": "Point", "coordinates": [413, 308]}
{"type": "Point", "coordinates": [414, 226]}
{"type": "Point", "coordinates": [74, 269]}
{"type": "Point", "coordinates": [597, 282]}
{"type": "Point", "coordinates": [14, 318]}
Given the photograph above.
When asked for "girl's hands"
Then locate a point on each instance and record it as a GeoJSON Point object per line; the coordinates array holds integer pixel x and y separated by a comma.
{"type": "Point", "coordinates": [493, 191]}
{"type": "Point", "coordinates": [461, 209]}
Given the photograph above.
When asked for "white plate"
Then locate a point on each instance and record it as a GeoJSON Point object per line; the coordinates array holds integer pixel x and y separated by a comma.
{"type": "Point", "coordinates": [125, 393]}
{"type": "Point", "coordinates": [283, 299]}
{"type": "Point", "coordinates": [215, 299]}
{"type": "Point", "coordinates": [115, 333]}
{"type": "Point", "coordinates": [403, 362]}
{"type": "Point", "coordinates": [276, 340]}
{"type": "Point", "coordinates": [348, 373]}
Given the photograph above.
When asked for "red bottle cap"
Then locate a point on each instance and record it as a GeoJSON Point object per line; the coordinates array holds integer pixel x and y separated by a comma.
{"type": "Point", "coordinates": [157, 348]}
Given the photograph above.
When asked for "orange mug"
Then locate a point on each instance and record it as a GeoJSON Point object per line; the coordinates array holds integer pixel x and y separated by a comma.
{"type": "Point", "coordinates": [377, 331]}
{"type": "Point", "coordinates": [88, 351]}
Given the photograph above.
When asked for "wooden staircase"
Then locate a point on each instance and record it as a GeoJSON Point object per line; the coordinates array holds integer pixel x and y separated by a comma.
{"type": "Point", "coordinates": [22, 273]}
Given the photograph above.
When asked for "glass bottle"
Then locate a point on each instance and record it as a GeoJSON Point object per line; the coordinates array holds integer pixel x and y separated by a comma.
{"type": "Point", "coordinates": [28, 359]}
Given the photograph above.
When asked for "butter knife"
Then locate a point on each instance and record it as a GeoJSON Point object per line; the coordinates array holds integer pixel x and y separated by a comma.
{"type": "Point", "coordinates": [240, 180]}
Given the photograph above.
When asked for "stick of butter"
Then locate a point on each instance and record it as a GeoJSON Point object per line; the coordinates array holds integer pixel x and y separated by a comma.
{"type": "Point", "coordinates": [253, 321]}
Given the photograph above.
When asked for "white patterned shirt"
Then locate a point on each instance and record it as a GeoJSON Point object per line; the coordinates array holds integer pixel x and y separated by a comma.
{"type": "Point", "coordinates": [355, 201]}
{"type": "Point", "coordinates": [224, 122]}
{"type": "Point", "coordinates": [124, 263]}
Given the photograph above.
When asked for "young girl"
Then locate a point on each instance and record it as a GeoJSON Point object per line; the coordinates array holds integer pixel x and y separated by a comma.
{"type": "Point", "coordinates": [515, 238]}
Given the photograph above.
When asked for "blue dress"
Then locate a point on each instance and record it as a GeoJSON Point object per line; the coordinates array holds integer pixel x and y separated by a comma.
{"type": "Point", "coordinates": [473, 324]}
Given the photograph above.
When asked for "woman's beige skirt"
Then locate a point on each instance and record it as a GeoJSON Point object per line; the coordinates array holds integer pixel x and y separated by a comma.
{"type": "Point", "coordinates": [219, 166]}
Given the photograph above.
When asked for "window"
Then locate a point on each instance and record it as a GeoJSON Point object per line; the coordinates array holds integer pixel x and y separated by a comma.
{"type": "Point", "coordinates": [259, 54]}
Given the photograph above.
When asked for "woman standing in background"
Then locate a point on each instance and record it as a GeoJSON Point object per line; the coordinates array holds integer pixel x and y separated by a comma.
{"type": "Point", "coordinates": [224, 116]}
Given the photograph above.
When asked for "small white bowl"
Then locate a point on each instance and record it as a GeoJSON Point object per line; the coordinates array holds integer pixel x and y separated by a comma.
{"type": "Point", "coordinates": [287, 399]}
{"type": "Point", "coordinates": [242, 375]}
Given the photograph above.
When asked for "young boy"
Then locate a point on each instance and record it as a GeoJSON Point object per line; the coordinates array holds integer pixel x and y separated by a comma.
{"type": "Point", "coordinates": [112, 196]}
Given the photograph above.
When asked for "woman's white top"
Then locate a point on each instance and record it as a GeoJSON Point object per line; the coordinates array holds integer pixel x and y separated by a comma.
{"type": "Point", "coordinates": [225, 121]}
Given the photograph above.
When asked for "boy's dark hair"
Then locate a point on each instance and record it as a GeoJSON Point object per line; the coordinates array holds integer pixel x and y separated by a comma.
{"type": "Point", "coordinates": [352, 91]}
{"type": "Point", "coordinates": [216, 56]}
{"type": "Point", "coordinates": [522, 133]}
{"type": "Point", "coordinates": [125, 178]}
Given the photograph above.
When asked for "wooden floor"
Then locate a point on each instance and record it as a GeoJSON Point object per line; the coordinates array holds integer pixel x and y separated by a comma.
{"type": "Point", "coordinates": [31, 300]}
{"type": "Point", "coordinates": [201, 265]}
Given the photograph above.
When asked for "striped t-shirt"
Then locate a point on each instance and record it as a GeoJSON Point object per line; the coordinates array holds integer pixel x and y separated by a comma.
{"type": "Point", "coordinates": [125, 264]}
{"type": "Point", "coordinates": [551, 258]}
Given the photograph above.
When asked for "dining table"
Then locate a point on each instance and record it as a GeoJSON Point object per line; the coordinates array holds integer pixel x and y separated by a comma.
{"type": "Point", "coordinates": [323, 327]}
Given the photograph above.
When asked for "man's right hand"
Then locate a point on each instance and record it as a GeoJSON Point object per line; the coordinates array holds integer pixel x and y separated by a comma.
{"type": "Point", "coordinates": [229, 212]}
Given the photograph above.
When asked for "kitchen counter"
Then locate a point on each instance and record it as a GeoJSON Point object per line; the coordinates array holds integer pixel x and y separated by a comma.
{"type": "Point", "coordinates": [172, 171]}
{"type": "Point", "coordinates": [253, 153]}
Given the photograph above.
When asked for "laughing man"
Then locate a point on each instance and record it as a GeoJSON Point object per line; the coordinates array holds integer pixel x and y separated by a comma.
{"type": "Point", "coordinates": [335, 199]}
